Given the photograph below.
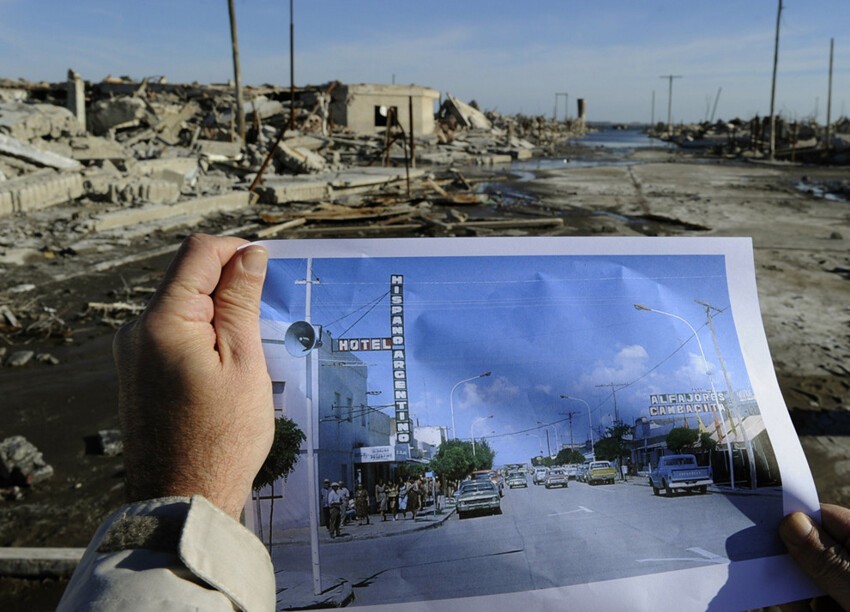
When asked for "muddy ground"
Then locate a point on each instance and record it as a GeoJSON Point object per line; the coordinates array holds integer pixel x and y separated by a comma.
{"type": "Point", "coordinates": [802, 263]}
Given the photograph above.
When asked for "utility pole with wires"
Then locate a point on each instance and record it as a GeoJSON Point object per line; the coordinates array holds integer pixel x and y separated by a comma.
{"type": "Point", "coordinates": [237, 74]}
{"type": "Point", "coordinates": [829, 99]}
{"type": "Point", "coordinates": [772, 150]}
{"type": "Point", "coordinates": [614, 387]}
{"type": "Point", "coordinates": [569, 415]}
{"type": "Point", "coordinates": [739, 429]}
{"type": "Point", "coordinates": [670, 78]}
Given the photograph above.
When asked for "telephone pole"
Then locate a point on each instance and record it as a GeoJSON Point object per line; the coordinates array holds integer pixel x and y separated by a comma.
{"type": "Point", "coordinates": [569, 415]}
{"type": "Point", "coordinates": [614, 387]}
{"type": "Point", "coordinates": [670, 78]}
{"type": "Point", "coordinates": [773, 85]}
{"type": "Point", "coordinates": [740, 430]}
{"type": "Point", "coordinates": [237, 74]}
{"type": "Point", "coordinates": [829, 99]}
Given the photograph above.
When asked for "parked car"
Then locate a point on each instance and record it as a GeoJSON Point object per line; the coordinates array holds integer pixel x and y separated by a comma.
{"type": "Point", "coordinates": [600, 472]}
{"type": "Point", "coordinates": [539, 476]}
{"type": "Point", "coordinates": [492, 476]}
{"type": "Point", "coordinates": [581, 471]}
{"type": "Point", "coordinates": [517, 479]}
{"type": "Point", "coordinates": [478, 496]}
{"type": "Point", "coordinates": [557, 477]}
{"type": "Point", "coordinates": [679, 472]}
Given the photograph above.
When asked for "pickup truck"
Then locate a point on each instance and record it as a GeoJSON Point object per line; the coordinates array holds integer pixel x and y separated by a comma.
{"type": "Point", "coordinates": [600, 471]}
{"type": "Point", "coordinates": [679, 472]}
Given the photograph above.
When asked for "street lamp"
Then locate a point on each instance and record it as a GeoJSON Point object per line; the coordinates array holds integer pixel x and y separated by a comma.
{"type": "Point", "coordinates": [710, 381]}
{"type": "Point", "coordinates": [471, 435]}
{"type": "Point", "coordinates": [589, 419]}
{"type": "Point", "coordinates": [451, 397]}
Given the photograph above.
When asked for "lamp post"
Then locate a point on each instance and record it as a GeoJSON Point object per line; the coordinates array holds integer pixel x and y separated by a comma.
{"type": "Point", "coordinates": [589, 420]}
{"type": "Point", "coordinates": [451, 397]}
{"type": "Point", "coordinates": [710, 381]}
{"type": "Point", "coordinates": [471, 435]}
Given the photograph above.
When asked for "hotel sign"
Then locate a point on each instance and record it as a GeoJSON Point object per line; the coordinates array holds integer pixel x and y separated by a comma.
{"type": "Point", "coordinates": [395, 344]}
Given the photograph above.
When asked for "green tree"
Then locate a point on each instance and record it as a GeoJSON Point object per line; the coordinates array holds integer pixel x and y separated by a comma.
{"type": "Point", "coordinates": [707, 442]}
{"type": "Point", "coordinates": [568, 455]}
{"type": "Point", "coordinates": [682, 438]}
{"type": "Point", "coordinates": [613, 445]}
{"type": "Point", "coordinates": [453, 460]}
{"type": "Point", "coordinates": [283, 454]}
{"type": "Point", "coordinates": [483, 456]}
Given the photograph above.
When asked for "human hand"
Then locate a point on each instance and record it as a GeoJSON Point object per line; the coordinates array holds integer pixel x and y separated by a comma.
{"type": "Point", "coordinates": [194, 395]}
{"type": "Point", "coordinates": [822, 552]}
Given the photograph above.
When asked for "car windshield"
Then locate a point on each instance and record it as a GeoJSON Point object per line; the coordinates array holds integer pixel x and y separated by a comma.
{"type": "Point", "coordinates": [599, 464]}
{"type": "Point", "coordinates": [477, 487]}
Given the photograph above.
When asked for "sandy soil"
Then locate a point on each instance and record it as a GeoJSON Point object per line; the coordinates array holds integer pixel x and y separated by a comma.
{"type": "Point", "coordinates": [802, 263]}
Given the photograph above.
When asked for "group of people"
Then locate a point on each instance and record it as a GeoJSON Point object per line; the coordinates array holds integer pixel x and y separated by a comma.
{"type": "Point", "coordinates": [339, 507]}
{"type": "Point", "coordinates": [400, 496]}
{"type": "Point", "coordinates": [194, 392]}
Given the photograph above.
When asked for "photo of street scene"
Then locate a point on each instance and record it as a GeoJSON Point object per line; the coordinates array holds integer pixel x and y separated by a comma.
{"type": "Point", "coordinates": [491, 423]}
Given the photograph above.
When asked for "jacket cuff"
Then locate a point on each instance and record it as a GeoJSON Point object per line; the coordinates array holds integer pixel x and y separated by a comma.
{"type": "Point", "coordinates": [227, 556]}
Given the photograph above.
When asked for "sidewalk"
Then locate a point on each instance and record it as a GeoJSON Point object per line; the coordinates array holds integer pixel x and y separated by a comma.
{"type": "Point", "coordinates": [376, 528]}
{"type": "Point", "coordinates": [725, 489]}
{"type": "Point", "coordinates": [295, 589]}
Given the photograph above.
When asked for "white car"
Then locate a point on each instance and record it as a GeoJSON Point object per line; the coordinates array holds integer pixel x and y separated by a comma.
{"type": "Point", "coordinates": [539, 475]}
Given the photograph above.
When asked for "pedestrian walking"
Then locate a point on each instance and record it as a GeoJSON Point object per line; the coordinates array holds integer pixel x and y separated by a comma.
{"type": "Point", "coordinates": [414, 495]}
{"type": "Point", "coordinates": [361, 504]}
{"type": "Point", "coordinates": [392, 498]}
{"type": "Point", "coordinates": [402, 498]}
{"type": "Point", "coordinates": [381, 498]}
{"type": "Point", "coordinates": [346, 502]}
{"type": "Point", "coordinates": [335, 510]}
{"type": "Point", "coordinates": [326, 511]}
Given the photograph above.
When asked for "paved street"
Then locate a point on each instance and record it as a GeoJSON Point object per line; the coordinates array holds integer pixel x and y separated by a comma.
{"type": "Point", "coordinates": [546, 538]}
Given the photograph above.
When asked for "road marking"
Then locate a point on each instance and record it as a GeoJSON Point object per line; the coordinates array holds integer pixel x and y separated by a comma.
{"type": "Point", "coordinates": [703, 555]}
{"type": "Point", "coordinates": [580, 509]}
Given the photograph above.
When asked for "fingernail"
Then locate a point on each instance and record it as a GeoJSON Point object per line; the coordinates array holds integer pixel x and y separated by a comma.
{"type": "Point", "coordinates": [254, 260]}
{"type": "Point", "coordinates": [796, 528]}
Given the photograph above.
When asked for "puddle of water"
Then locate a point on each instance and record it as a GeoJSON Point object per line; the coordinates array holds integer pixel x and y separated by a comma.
{"type": "Point", "coordinates": [819, 192]}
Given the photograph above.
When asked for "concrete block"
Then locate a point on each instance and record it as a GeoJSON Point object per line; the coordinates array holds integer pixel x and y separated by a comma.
{"type": "Point", "coordinates": [17, 148]}
{"type": "Point", "coordinates": [283, 191]}
{"type": "Point", "coordinates": [204, 206]}
{"type": "Point", "coordinates": [38, 190]}
{"type": "Point", "coordinates": [301, 161]}
{"type": "Point", "coordinates": [151, 167]}
{"type": "Point", "coordinates": [28, 121]}
{"type": "Point", "coordinates": [217, 150]}
{"type": "Point", "coordinates": [116, 113]}
{"type": "Point", "coordinates": [39, 562]}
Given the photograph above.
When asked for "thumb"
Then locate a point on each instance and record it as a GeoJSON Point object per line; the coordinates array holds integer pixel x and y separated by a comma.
{"type": "Point", "coordinates": [237, 304]}
{"type": "Point", "coordinates": [823, 559]}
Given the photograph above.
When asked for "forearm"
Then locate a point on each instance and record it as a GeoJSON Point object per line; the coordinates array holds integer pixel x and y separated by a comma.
{"type": "Point", "coordinates": [172, 554]}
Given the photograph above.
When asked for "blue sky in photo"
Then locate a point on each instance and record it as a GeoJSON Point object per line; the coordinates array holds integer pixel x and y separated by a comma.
{"type": "Point", "coordinates": [543, 325]}
{"type": "Point", "coordinates": [510, 57]}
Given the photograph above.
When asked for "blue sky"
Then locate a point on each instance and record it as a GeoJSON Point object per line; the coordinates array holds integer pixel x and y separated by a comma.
{"type": "Point", "coordinates": [511, 57]}
{"type": "Point", "coordinates": [544, 326]}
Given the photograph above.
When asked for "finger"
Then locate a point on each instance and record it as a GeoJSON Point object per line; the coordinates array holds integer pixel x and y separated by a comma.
{"type": "Point", "coordinates": [196, 269]}
{"type": "Point", "coordinates": [836, 522]}
{"type": "Point", "coordinates": [237, 304]}
{"type": "Point", "coordinates": [824, 560]}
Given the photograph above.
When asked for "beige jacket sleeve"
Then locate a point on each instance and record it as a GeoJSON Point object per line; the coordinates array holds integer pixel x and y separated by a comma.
{"type": "Point", "coordinates": [172, 553]}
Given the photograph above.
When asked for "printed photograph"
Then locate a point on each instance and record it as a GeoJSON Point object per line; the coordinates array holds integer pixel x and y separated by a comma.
{"type": "Point", "coordinates": [486, 424]}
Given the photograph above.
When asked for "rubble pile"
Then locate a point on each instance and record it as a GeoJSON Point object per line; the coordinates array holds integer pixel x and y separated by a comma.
{"type": "Point", "coordinates": [88, 168]}
{"type": "Point", "coordinates": [796, 141]}
{"type": "Point", "coordinates": [21, 464]}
